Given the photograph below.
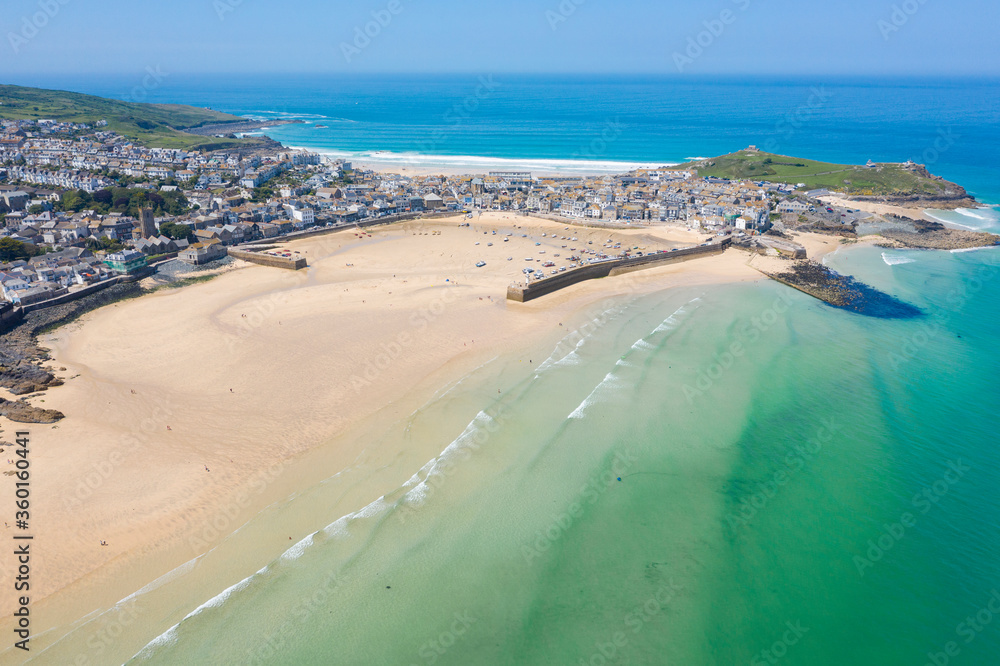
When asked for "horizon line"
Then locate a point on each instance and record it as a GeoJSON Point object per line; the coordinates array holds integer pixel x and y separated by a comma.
{"type": "Point", "coordinates": [485, 72]}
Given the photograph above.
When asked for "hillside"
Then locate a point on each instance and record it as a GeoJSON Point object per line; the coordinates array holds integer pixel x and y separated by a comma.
{"type": "Point", "coordinates": [894, 181]}
{"type": "Point", "coordinates": [153, 125]}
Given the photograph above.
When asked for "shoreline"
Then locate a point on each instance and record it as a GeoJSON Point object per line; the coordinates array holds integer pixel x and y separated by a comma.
{"type": "Point", "coordinates": [412, 164]}
{"type": "Point", "coordinates": [217, 444]}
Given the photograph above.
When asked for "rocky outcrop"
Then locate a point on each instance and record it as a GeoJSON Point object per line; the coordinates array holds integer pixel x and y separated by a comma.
{"type": "Point", "coordinates": [926, 235]}
{"type": "Point", "coordinates": [22, 412]}
{"type": "Point", "coordinates": [21, 357]}
{"type": "Point", "coordinates": [960, 199]}
{"type": "Point", "coordinates": [842, 291]}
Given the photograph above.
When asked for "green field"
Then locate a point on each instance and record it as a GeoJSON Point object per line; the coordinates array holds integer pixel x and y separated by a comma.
{"type": "Point", "coordinates": [153, 125]}
{"type": "Point", "coordinates": [884, 179]}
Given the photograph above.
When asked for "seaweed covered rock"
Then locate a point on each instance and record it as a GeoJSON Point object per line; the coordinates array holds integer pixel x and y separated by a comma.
{"type": "Point", "coordinates": [844, 292]}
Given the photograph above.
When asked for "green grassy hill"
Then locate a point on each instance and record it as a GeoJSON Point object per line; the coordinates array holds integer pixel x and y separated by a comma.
{"type": "Point", "coordinates": [153, 125]}
{"type": "Point", "coordinates": [882, 180]}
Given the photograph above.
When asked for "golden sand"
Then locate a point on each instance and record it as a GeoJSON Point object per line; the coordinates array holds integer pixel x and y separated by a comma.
{"type": "Point", "coordinates": [237, 392]}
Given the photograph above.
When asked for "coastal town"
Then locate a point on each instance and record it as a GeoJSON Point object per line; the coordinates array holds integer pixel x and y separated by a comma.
{"type": "Point", "coordinates": [81, 205]}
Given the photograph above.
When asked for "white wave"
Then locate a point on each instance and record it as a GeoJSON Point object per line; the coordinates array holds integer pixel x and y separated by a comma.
{"type": "Point", "coordinates": [296, 551]}
{"type": "Point", "coordinates": [696, 159]}
{"type": "Point", "coordinates": [963, 218]}
{"type": "Point", "coordinates": [284, 115]}
{"type": "Point", "coordinates": [584, 333]}
{"type": "Point", "coordinates": [674, 320]}
{"type": "Point", "coordinates": [338, 528]}
{"type": "Point", "coordinates": [609, 381]}
{"type": "Point", "coordinates": [223, 596]}
{"type": "Point", "coordinates": [642, 345]}
{"type": "Point", "coordinates": [169, 637]}
{"type": "Point", "coordinates": [973, 249]}
{"type": "Point", "coordinates": [572, 358]}
{"type": "Point", "coordinates": [949, 222]}
{"type": "Point", "coordinates": [475, 435]}
{"type": "Point", "coordinates": [166, 639]}
{"type": "Point", "coordinates": [670, 323]}
{"type": "Point", "coordinates": [973, 214]}
{"type": "Point", "coordinates": [482, 164]}
{"type": "Point", "coordinates": [556, 359]}
{"type": "Point", "coordinates": [96, 614]}
{"type": "Point", "coordinates": [896, 260]}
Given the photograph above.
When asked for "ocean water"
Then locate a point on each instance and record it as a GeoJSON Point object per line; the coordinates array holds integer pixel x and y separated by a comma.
{"type": "Point", "coordinates": [715, 475]}
{"type": "Point", "coordinates": [795, 481]}
{"type": "Point", "coordinates": [545, 122]}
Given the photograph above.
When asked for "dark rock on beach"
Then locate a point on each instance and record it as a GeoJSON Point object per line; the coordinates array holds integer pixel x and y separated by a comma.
{"type": "Point", "coordinates": [927, 235]}
{"type": "Point", "coordinates": [843, 291]}
{"type": "Point", "coordinates": [22, 412]}
{"type": "Point", "coordinates": [22, 358]}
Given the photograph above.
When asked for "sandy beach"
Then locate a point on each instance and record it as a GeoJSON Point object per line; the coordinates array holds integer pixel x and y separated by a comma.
{"type": "Point", "coordinates": [408, 164]}
{"type": "Point", "coordinates": [191, 410]}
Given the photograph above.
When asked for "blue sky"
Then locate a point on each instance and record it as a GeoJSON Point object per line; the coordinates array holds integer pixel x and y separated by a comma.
{"type": "Point", "coordinates": [854, 37]}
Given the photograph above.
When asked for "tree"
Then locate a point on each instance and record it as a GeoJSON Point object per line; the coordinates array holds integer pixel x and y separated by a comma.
{"type": "Point", "coordinates": [175, 231]}
{"type": "Point", "coordinates": [37, 209]}
{"type": "Point", "coordinates": [75, 200]}
{"type": "Point", "coordinates": [104, 243]}
{"type": "Point", "coordinates": [11, 250]}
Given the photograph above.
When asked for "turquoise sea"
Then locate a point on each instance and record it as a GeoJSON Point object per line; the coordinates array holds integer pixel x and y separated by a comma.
{"type": "Point", "coordinates": [827, 494]}
{"type": "Point", "coordinates": [714, 475]}
{"type": "Point", "coordinates": [472, 121]}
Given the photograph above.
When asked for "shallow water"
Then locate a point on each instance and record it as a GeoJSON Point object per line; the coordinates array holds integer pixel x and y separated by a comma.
{"type": "Point", "coordinates": [772, 462]}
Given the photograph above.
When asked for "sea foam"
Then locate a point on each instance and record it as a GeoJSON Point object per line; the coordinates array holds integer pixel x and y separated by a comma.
{"type": "Point", "coordinates": [896, 260]}
{"type": "Point", "coordinates": [170, 636]}
{"type": "Point", "coordinates": [479, 164]}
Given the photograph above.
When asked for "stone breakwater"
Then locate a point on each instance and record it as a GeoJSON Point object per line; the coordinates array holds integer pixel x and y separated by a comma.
{"type": "Point", "coordinates": [260, 257]}
{"type": "Point", "coordinates": [524, 293]}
